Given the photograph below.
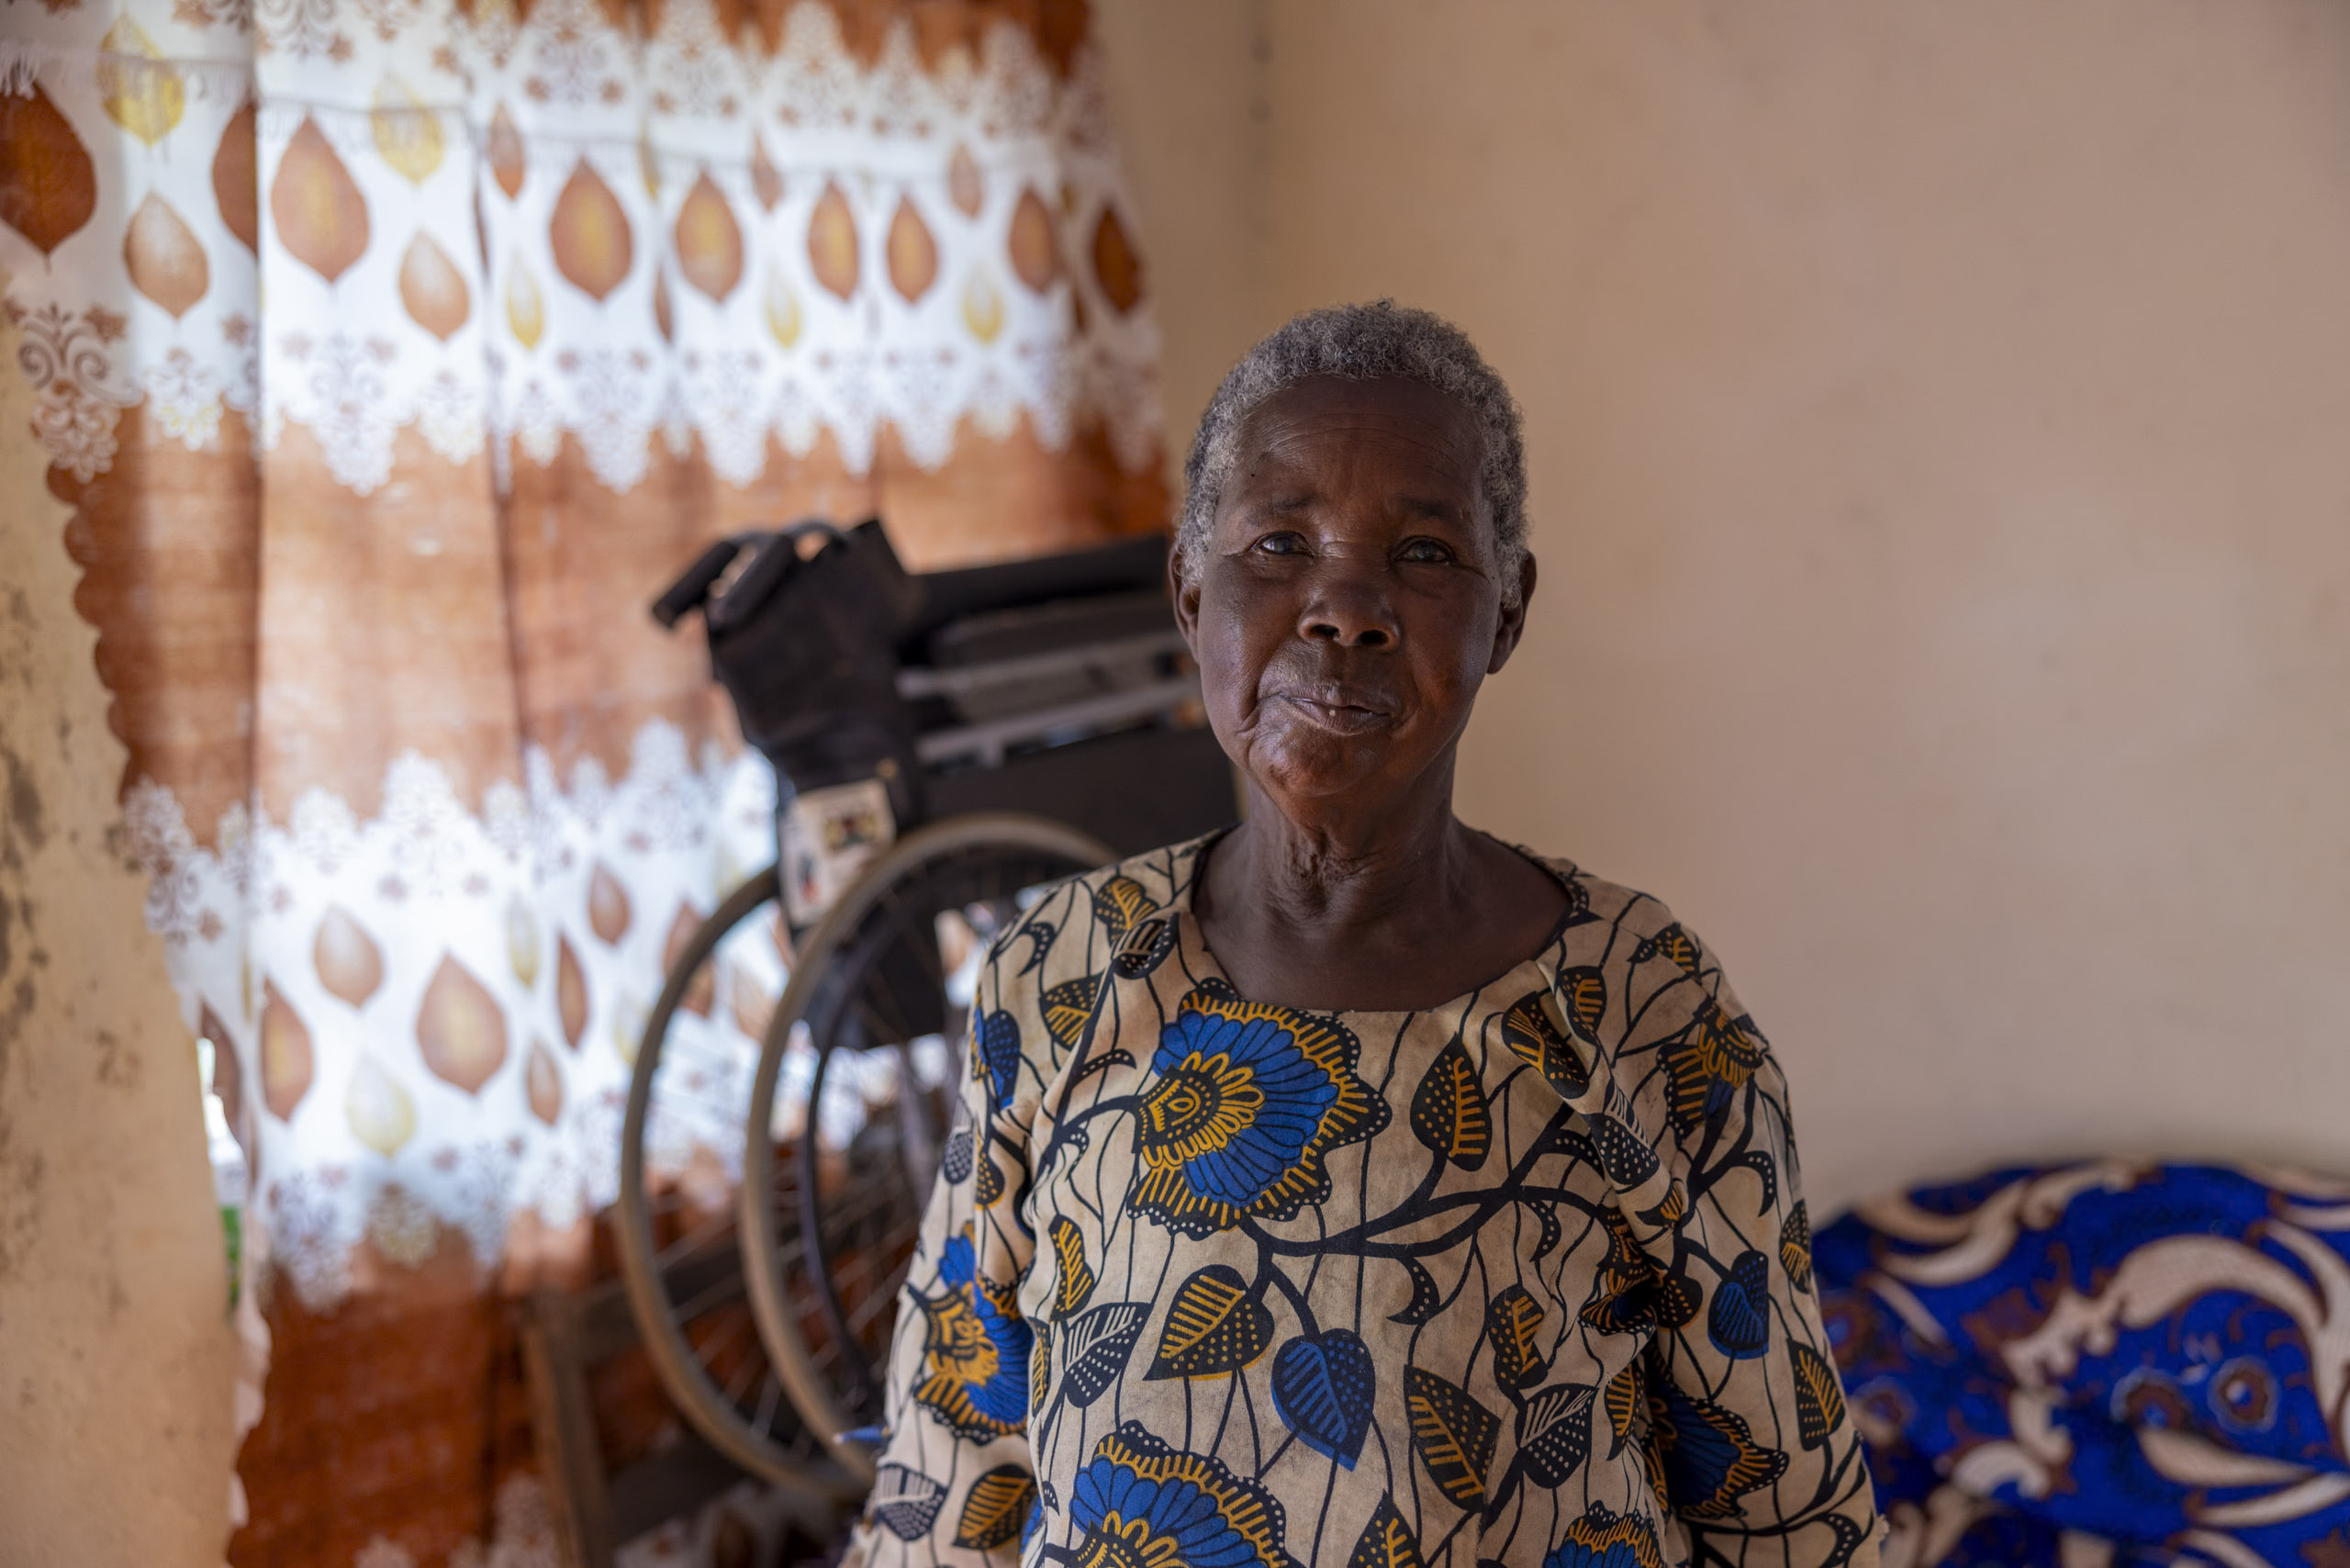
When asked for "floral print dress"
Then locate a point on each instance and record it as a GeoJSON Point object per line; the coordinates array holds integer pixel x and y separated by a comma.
{"type": "Point", "coordinates": [1524, 1279]}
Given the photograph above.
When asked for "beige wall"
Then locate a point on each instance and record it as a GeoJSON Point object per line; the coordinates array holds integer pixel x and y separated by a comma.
{"type": "Point", "coordinates": [1189, 83]}
{"type": "Point", "coordinates": [1939, 427]}
{"type": "Point", "coordinates": [116, 1354]}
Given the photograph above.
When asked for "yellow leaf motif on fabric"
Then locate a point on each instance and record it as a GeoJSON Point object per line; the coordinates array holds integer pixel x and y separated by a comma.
{"type": "Point", "coordinates": [1454, 1434]}
{"type": "Point", "coordinates": [1532, 1035]}
{"type": "Point", "coordinates": [525, 311]}
{"type": "Point", "coordinates": [1450, 1111]}
{"type": "Point", "coordinates": [140, 90]}
{"type": "Point", "coordinates": [1819, 1396]}
{"type": "Point", "coordinates": [782, 310]}
{"type": "Point", "coordinates": [1714, 1059]}
{"type": "Point", "coordinates": [1215, 1326]}
{"type": "Point", "coordinates": [1795, 1245]}
{"type": "Point", "coordinates": [1515, 1322]}
{"type": "Point", "coordinates": [542, 1083]}
{"type": "Point", "coordinates": [1625, 1402]}
{"type": "Point", "coordinates": [1386, 1541]}
{"type": "Point", "coordinates": [381, 1113]}
{"type": "Point", "coordinates": [1040, 1368]}
{"type": "Point", "coordinates": [983, 306]}
{"type": "Point", "coordinates": [522, 936]}
{"type": "Point", "coordinates": [1077, 1282]}
{"type": "Point", "coordinates": [407, 133]}
{"type": "Point", "coordinates": [1119, 902]}
{"type": "Point", "coordinates": [987, 1181]}
{"type": "Point", "coordinates": [1673, 943]}
{"type": "Point", "coordinates": [1583, 994]}
{"type": "Point", "coordinates": [994, 1510]}
{"type": "Point", "coordinates": [1066, 1006]}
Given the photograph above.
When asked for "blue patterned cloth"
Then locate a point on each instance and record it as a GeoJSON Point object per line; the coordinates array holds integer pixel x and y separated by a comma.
{"type": "Point", "coordinates": [2132, 1364]}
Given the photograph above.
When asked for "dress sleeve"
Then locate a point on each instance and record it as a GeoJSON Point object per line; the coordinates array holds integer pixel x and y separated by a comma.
{"type": "Point", "coordinates": [955, 1481]}
{"type": "Point", "coordinates": [1755, 1451]}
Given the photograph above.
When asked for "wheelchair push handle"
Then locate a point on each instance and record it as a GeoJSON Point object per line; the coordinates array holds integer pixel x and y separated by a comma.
{"type": "Point", "coordinates": [732, 579]}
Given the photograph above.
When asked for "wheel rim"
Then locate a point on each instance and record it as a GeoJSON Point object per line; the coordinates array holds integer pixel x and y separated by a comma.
{"type": "Point", "coordinates": [684, 1287]}
{"type": "Point", "coordinates": [820, 1377]}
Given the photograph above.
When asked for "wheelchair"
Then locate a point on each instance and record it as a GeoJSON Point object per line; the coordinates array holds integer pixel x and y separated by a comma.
{"type": "Point", "coordinates": [945, 746]}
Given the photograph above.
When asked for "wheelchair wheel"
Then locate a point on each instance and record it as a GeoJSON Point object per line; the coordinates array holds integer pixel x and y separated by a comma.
{"type": "Point", "coordinates": [675, 1221]}
{"type": "Point", "coordinates": [874, 1024]}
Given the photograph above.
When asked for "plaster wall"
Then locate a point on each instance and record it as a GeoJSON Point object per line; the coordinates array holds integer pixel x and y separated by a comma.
{"type": "Point", "coordinates": [1939, 432]}
{"type": "Point", "coordinates": [115, 1352]}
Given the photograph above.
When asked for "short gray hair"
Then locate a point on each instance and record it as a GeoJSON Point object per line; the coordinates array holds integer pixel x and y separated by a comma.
{"type": "Point", "coordinates": [1365, 342]}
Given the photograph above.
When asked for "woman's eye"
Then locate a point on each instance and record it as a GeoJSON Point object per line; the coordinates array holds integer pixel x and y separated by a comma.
{"type": "Point", "coordinates": [1428, 550]}
{"type": "Point", "coordinates": [1282, 544]}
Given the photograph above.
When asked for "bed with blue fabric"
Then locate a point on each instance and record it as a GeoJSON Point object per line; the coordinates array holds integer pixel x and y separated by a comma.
{"type": "Point", "coordinates": [2123, 1363]}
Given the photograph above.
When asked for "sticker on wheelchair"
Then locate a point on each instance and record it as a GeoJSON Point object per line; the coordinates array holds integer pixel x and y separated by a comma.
{"type": "Point", "coordinates": [828, 837]}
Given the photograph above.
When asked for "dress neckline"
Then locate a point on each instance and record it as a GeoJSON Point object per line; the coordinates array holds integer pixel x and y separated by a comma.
{"type": "Point", "coordinates": [1200, 959]}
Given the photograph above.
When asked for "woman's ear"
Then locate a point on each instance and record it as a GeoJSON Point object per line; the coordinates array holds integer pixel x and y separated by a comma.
{"type": "Point", "coordinates": [1510, 625]}
{"type": "Point", "coordinates": [1184, 590]}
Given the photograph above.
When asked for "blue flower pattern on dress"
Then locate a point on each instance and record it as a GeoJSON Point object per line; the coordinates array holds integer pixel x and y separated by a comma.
{"type": "Point", "coordinates": [1245, 1103]}
{"type": "Point", "coordinates": [975, 1354]}
{"type": "Point", "coordinates": [1141, 1505]}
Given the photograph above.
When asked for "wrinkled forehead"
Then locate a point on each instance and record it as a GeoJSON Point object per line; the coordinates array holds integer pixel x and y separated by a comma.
{"type": "Point", "coordinates": [1400, 435]}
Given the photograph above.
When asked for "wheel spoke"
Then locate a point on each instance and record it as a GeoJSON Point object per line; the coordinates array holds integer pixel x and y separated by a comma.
{"type": "Point", "coordinates": [695, 1239]}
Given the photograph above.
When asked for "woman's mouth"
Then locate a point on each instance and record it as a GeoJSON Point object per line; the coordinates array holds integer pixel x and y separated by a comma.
{"type": "Point", "coordinates": [1341, 714]}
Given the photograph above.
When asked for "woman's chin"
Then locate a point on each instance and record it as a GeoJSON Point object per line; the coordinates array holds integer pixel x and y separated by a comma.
{"type": "Point", "coordinates": [1320, 768]}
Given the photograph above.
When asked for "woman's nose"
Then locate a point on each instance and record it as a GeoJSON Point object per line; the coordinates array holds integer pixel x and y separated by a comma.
{"type": "Point", "coordinates": [1350, 610]}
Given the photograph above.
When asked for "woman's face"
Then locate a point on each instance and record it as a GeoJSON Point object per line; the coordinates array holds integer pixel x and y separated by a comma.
{"type": "Point", "coordinates": [1345, 603]}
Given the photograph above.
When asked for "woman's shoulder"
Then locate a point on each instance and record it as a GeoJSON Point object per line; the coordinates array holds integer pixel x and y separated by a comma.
{"type": "Point", "coordinates": [1602, 906]}
{"type": "Point", "coordinates": [1066, 928]}
{"type": "Point", "coordinates": [1124, 893]}
{"type": "Point", "coordinates": [1611, 927]}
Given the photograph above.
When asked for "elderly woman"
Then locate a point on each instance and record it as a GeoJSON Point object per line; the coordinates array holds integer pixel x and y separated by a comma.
{"type": "Point", "coordinates": [1351, 1187]}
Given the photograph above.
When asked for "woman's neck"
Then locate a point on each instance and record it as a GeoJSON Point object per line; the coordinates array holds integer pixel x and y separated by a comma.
{"type": "Point", "coordinates": [1389, 872]}
{"type": "Point", "coordinates": [1403, 909]}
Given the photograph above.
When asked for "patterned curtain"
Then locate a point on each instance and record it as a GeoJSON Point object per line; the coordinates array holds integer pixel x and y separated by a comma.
{"type": "Point", "coordinates": [392, 355]}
